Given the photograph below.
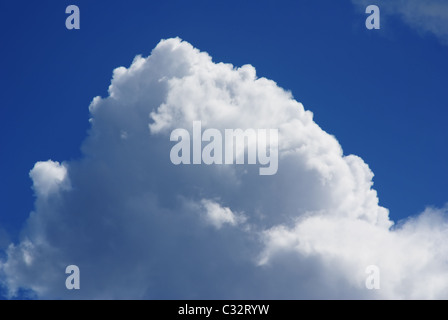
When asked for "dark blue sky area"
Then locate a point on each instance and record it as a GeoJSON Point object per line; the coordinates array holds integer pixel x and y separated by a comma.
{"type": "Point", "coordinates": [382, 93]}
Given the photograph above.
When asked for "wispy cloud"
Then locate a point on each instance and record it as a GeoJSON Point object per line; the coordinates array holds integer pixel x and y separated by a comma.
{"type": "Point", "coordinates": [429, 16]}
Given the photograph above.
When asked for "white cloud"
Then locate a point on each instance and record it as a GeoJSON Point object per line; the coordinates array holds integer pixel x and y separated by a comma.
{"type": "Point", "coordinates": [430, 16]}
{"type": "Point", "coordinates": [48, 177]}
{"type": "Point", "coordinates": [133, 222]}
{"type": "Point", "coordinates": [412, 259]}
{"type": "Point", "coordinates": [219, 216]}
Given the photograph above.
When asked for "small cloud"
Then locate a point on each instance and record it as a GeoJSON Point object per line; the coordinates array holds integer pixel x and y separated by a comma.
{"type": "Point", "coordinates": [48, 177]}
{"type": "Point", "coordinates": [219, 216]}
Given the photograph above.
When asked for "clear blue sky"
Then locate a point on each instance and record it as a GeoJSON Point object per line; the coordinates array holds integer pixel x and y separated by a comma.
{"type": "Point", "coordinates": [382, 93]}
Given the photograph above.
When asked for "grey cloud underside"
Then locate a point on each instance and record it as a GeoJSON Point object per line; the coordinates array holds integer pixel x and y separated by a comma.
{"type": "Point", "coordinates": [140, 227]}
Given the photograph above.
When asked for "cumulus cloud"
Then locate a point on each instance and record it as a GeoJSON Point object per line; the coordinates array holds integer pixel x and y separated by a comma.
{"type": "Point", "coordinates": [139, 226]}
{"type": "Point", "coordinates": [430, 16]}
{"type": "Point", "coordinates": [48, 177]}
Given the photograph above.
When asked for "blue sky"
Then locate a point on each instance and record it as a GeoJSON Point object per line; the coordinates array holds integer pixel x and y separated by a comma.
{"type": "Point", "coordinates": [381, 93]}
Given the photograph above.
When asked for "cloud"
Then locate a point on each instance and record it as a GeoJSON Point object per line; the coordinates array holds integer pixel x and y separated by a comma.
{"type": "Point", "coordinates": [429, 16]}
{"type": "Point", "coordinates": [48, 177]}
{"type": "Point", "coordinates": [412, 259]}
{"type": "Point", "coordinates": [219, 216]}
{"type": "Point", "coordinates": [139, 226]}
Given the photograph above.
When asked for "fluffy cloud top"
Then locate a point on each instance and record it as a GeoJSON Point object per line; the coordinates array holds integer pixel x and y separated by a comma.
{"type": "Point", "coordinates": [48, 177]}
{"type": "Point", "coordinates": [140, 227]}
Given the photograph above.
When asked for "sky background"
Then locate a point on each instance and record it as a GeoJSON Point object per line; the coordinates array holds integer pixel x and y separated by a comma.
{"type": "Point", "coordinates": [381, 93]}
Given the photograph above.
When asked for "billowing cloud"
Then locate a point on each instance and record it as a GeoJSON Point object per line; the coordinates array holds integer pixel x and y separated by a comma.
{"type": "Point", "coordinates": [139, 226]}
{"type": "Point", "coordinates": [430, 16]}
